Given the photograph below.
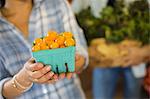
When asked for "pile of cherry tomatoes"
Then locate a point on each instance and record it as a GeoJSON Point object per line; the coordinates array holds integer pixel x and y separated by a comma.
{"type": "Point", "coordinates": [53, 40]}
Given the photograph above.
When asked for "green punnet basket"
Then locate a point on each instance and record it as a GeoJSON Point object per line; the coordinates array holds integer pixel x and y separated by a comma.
{"type": "Point", "coordinates": [61, 59]}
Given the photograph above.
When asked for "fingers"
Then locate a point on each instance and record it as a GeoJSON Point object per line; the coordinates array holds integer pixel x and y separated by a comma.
{"type": "Point", "coordinates": [56, 77]}
{"type": "Point", "coordinates": [127, 64]}
{"type": "Point", "coordinates": [45, 78]}
{"type": "Point", "coordinates": [62, 76]}
{"type": "Point", "coordinates": [39, 73]}
{"type": "Point", "coordinates": [77, 57]}
{"type": "Point", "coordinates": [50, 77]}
{"type": "Point", "coordinates": [65, 75]}
{"type": "Point", "coordinates": [51, 81]}
{"type": "Point", "coordinates": [80, 62]}
{"type": "Point", "coordinates": [126, 61]}
{"type": "Point", "coordinates": [34, 66]}
{"type": "Point", "coordinates": [69, 75]}
{"type": "Point", "coordinates": [31, 60]}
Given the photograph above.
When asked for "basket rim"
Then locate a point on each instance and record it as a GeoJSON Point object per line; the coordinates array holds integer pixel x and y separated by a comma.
{"type": "Point", "coordinates": [59, 50]}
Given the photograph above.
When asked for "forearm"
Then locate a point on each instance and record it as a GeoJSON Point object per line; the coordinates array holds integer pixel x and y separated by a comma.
{"type": "Point", "coordinates": [11, 89]}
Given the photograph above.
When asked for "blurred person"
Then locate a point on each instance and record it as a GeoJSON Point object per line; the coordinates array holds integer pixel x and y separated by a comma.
{"type": "Point", "coordinates": [21, 21]}
{"type": "Point", "coordinates": [105, 79]}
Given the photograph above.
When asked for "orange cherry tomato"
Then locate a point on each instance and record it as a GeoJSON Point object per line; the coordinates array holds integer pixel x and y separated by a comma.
{"type": "Point", "coordinates": [35, 48]}
{"type": "Point", "coordinates": [46, 40]}
{"type": "Point", "coordinates": [44, 47]}
{"type": "Point", "coordinates": [62, 46]}
{"type": "Point", "coordinates": [37, 41]}
{"type": "Point", "coordinates": [50, 43]}
{"type": "Point", "coordinates": [52, 35]}
{"type": "Point", "coordinates": [54, 45]}
{"type": "Point", "coordinates": [69, 42]}
{"type": "Point", "coordinates": [60, 40]}
{"type": "Point", "coordinates": [67, 34]}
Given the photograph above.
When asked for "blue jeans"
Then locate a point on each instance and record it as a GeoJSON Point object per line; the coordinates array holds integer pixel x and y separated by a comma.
{"type": "Point", "coordinates": [105, 82]}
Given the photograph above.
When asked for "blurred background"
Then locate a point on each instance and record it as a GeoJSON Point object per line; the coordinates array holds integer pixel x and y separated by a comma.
{"type": "Point", "coordinates": [118, 36]}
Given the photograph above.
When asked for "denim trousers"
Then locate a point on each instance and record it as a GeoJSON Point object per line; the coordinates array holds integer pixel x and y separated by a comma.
{"type": "Point", "coordinates": [105, 82]}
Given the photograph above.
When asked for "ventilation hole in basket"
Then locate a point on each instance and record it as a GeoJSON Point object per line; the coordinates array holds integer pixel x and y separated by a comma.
{"type": "Point", "coordinates": [57, 71]}
{"type": "Point", "coordinates": [66, 67]}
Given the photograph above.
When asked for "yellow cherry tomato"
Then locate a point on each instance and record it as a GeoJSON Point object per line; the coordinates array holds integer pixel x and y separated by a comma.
{"type": "Point", "coordinates": [44, 47]}
{"type": "Point", "coordinates": [46, 40]}
{"type": "Point", "coordinates": [52, 35]}
{"type": "Point", "coordinates": [60, 40]}
{"type": "Point", "coordinates": [37, 41]}
{"type": "Point", "coordinates": [62, 46]}
{"type": "Point", "coordinates": [35, 48]}
{"type": "Point", "coordinates": [69, 42]}
{"type": "Point", "coordinates": [67, 34]}
{"type": "Point", "coordinates": [54, 45]}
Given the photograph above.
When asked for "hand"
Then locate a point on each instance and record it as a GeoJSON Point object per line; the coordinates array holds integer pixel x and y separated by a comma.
{"type": "Point", "coordinates": [36, 72]}
{"type": "Point", "coordinates": [135, 57]}
{"type": "Point", "coordinates": [40, 74]}
{"type": "Point", "coordinates": [146, 49]}
{"type": "Point", "coordinates": [79, 63]}
{"type": "Point", "coordinates": [147, 81]}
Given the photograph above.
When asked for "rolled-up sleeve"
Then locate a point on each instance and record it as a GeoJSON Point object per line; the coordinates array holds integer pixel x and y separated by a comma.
{"type": "Point", "coordinates": [70, 24]}
{"type": "Point", "coordinates": [4, 76]}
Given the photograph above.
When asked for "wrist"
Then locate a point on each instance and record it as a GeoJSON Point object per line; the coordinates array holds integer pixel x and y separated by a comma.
{"type": "Point", "coordinates": [23, 78]}
{"type": "Point", "coordinates": [16, 84]}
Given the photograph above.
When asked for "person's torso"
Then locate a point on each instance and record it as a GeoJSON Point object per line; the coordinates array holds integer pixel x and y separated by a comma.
{"type": "Point", "coordinates": [16, 50]}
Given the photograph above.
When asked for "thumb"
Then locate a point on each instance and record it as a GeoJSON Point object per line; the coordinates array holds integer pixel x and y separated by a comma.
{"type": "Point", "coordinates": [77, 57]}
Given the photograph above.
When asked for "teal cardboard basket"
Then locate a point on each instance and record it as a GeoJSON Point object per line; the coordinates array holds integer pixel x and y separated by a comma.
{"type": "Point", "coordinates": [61, 59]}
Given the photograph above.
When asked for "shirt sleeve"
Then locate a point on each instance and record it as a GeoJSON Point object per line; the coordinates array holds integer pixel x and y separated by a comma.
{"type": "Point", "coordinates": [70, 24]}
{"type": "Point", "coordinates": [4, 76]}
